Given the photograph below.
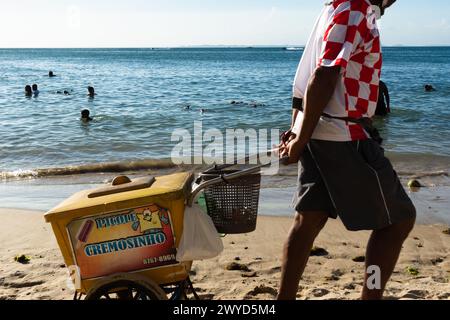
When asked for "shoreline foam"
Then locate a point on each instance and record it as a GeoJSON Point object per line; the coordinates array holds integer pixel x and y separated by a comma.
{"type": "Point", "coordinates": [406, 164]}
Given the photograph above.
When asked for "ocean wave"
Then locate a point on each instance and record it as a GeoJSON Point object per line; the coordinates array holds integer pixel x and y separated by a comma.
{"type": "Point", "coordinates": [425, 174]}
{"type": "Point", "coordinates": [407, 165]}
{"type": "Point", "coordinates": [107, 167]}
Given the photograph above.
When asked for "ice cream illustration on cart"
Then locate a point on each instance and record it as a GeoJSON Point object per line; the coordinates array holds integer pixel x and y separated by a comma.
{"type": "Point", "coordinates": [85, 231]}
{"type": "Point", "coordinates": [151, 219]}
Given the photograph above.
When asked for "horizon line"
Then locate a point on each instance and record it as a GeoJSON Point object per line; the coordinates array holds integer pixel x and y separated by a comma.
{"type": "Point", "coordinates": [208, 46]}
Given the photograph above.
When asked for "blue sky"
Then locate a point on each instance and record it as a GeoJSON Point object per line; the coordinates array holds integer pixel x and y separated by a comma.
{"type": "Point", "coordinates": [156, 23]}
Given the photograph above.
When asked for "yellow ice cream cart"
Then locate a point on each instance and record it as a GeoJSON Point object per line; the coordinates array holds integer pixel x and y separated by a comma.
{"type": "Point", "coordinates": [120, 241]}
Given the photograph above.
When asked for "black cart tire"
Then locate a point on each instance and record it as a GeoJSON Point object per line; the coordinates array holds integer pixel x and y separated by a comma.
{"type": "Point", "coordinates": [126, 287]}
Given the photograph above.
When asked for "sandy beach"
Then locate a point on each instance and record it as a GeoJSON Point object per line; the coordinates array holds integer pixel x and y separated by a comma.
{"type": "Point", "coordinates": [97, 115]}
{"type": "Point", "coordinates": [333, 276]}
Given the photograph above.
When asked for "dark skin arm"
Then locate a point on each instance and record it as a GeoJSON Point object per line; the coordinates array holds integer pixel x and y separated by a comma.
{"type": "Point", "coordinates": [320, 90]}
{"type": "Point", "coordinates": [287, 136]}
{"type": "Point", "coordinates": [294, 117]}
{"type": "Point", "coordinates": [388, 98]}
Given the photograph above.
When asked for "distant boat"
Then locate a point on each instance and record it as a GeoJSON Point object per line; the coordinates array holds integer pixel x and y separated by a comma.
{"type": "Point", "coordinates": [293, 49]}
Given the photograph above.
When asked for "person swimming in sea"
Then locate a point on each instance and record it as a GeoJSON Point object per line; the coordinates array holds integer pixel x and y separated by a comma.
{"type": "Point", "coordinates": [51, 74]}
{"type": "Point", "coordinates": [28, 91]}
{"type": "Point", "coordinates": [65, 92]}
{"type": "Point", "coordinates": [256, 104]}
{"type": "Point", "coordinates": [91, 92]}
{"type": "Point", "coordinates": [429, 88]}
{"type": "Point", "coordinates": [85, 116]}
{"type": "Point", "coordinates": [35, 90]}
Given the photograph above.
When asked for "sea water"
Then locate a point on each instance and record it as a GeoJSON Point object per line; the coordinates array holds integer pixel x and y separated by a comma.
{"type": "Point", "coordinates": [143, 95]}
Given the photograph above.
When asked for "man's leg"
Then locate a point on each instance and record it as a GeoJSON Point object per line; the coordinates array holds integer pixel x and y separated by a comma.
{"type": "Point", "coordinates": [307, 226]}
{"type": "Point", "coordinates": [383, 251]}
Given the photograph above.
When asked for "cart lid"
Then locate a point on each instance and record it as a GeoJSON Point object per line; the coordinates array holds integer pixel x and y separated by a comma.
{"type": "Point", "coordinates": [123, 189]}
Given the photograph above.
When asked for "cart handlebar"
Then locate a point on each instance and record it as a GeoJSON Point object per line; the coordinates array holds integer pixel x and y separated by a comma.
{"type": "Point", "coordinates": [197, 188]}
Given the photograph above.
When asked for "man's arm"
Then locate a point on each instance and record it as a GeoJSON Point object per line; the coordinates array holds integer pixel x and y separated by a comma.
{"type": "Point", "coordinates": [294, 117]}
{"type": "Point", "coordinates": [321, 87]}
{"type": "Point", "coordinates": [297, 106]}
{"type": "Point", "coordinates": [388, 98]}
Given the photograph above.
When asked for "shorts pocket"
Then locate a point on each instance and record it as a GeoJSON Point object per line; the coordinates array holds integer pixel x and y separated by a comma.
{"type": "Point", "coordinates": [373, 155]}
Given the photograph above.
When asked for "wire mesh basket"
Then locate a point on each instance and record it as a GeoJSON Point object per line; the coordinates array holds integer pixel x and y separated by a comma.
{"type": "Point", "coordinates": [233, 204]}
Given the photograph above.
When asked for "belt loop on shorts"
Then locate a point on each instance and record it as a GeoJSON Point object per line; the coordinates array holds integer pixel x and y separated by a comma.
{"type": "Point", "coordinates": [357, 146]}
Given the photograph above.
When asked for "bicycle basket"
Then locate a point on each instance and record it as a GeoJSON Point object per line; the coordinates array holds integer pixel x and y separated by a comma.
{"type": "Point", "coordinates": [233, 205]}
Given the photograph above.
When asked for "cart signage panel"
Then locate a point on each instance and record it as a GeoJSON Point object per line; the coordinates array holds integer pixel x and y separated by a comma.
{"type": "Point", "coordinates": [124, 241]}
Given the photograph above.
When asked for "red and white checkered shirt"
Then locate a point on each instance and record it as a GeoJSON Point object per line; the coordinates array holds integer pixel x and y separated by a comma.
{"type": "Point", "coordinates": [345, 35]}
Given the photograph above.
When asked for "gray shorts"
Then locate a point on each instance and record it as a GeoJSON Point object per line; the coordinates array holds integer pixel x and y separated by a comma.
{"type": "Point", "coordinates": [352, 180]}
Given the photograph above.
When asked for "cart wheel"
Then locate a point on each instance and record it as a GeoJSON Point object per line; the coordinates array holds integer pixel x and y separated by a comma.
{"type": "Point", "coordinates": [126, 287]}
{"type": "Point", "coordinates": [182, 291]}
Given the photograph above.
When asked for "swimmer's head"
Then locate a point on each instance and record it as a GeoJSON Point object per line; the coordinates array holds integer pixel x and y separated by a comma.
{"type": "Point", "coordinates": [50, 74]}
{"type": "Point", "coordinates": [28, 90]}
{"type": "Point", "coordinates": [85, 115]}
{"type": "Point", "coordinates": [35, 87]}
{"type": "Point", "coordinates": [429, 87]}
{"type": "Point", "coordinates": [91, 91]}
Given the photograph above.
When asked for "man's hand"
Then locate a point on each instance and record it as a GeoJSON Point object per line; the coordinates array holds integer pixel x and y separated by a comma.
{"type": "Point", "coordinates": [293, 149]}
{"type": "Point", "coordinates": [286, 137]}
